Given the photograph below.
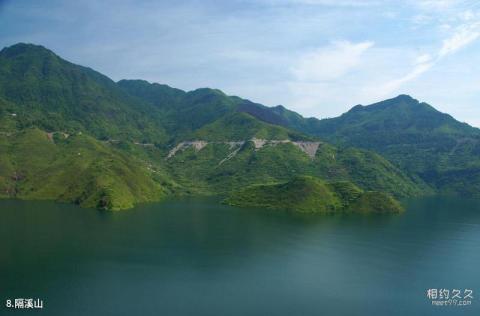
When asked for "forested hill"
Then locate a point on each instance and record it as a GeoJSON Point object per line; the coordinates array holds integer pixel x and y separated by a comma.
{"type": "Point", "coordinates": [414, 136]}
{"type": "Point", "coordinates": [70, 133]}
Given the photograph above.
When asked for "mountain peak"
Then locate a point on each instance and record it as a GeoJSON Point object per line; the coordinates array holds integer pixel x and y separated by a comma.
{"type": "Point", "coordinates": [398, 100]}
{"type": "Point", "coordinates": [25, 48]}
{"type": "Point", "coordinates": [405, 97]}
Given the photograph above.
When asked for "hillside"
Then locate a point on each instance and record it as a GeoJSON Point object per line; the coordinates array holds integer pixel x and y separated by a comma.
{"type": "Point", "coordinates": [311, 195]}
{"type": "Point", "coordinates": [417, 138]}
{"type": "Point", "coordinates": [46, 91]}
{"type": "Point", "coordinates": [75, 168]}
{"type": "Point", "coordinates": [414, 136]}
{"type": "Point", "coordinates": [225, 166]}
{"type": "Point", "coordinates": [69, 133]}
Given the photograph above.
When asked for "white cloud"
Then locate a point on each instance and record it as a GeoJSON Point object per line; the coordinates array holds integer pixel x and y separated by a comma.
{"type": "Point", "coordinates": [463, 36]}
{"type": "Point", "coordinates": [330, 62]}
{"type": "Point", "coordinates": [423, 58]}
{"type": "Point", "coordinates": [388, 88]}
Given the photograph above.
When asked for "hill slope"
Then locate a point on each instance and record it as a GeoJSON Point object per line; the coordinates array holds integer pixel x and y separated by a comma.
{"type": "Point", "coordinates": [70, 133]}
{"type": "Point", "coordinates": [74, 168]}
{"type": "Point", "coordinates": [311, 195]}
{"type": "Point", "coordinates": [415, 137]}
{"type": "Point", "coordinates": [222, 166]}
{"type": "Point", "coordinates": [56, 95]}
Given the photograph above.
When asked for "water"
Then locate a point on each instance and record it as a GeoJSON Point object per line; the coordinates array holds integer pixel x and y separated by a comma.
{"type": "Point", "coordinates": [196, 257]}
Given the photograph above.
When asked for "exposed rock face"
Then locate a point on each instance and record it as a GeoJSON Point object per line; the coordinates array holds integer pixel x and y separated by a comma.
{"type": "Point", "coordinates": [197, 144]}
{"type": "Point", "coordinates": [259, 143]}
{"type": "Point", "coordinates": [310, 148]}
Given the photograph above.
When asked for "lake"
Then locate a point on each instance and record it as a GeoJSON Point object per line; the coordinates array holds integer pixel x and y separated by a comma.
{"type": "Point", "coordinates": [196, 257]}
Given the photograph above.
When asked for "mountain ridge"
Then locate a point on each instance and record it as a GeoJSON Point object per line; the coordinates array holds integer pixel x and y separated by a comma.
{"type": "Point", "coordinates": [139, 124]}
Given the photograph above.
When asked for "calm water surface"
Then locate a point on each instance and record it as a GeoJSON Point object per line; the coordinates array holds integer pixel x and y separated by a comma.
{"type": "Point", "coordinates": [199, 258]}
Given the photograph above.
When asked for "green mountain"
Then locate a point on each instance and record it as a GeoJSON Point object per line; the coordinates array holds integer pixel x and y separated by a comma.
{"type": "Point", "coordinates": [69, 133]}
{"type": "Point", "coordinates": [223, 156]}
{"type": "Point", "coordinates": [35, 164]}
{"type": "Point", "coordinates": [430, 146]}
{"type": "Point", "coordinates": [311, 195]}
{"type": "Point", "coordinates": [225, 166]}
{"type": "Point", "coordinates": [48, 92]}
{"type": "Point", "coordinates": [414, 136]}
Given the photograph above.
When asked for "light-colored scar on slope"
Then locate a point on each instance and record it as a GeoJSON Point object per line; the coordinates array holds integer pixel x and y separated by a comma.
{"type": "Point", "coordinates": [310, 148]}
{"type": "Point", "coordinates": [196, 144]}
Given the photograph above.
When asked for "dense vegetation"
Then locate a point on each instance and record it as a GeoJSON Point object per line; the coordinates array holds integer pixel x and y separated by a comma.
{"type": "Point", "coordinates": [70, 133]}
{"type": "Point", "coordinates": [207, 169]}
{"type": "Point", "coordinates": [311, 195]}
{"type": "Point", "coordinates": [74, 168]}
{"type": "Point", "coordinates": [420, 140]}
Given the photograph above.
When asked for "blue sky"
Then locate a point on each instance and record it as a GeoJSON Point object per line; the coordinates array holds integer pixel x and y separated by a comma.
{"type": "Point", "coordinates": [317, 57]}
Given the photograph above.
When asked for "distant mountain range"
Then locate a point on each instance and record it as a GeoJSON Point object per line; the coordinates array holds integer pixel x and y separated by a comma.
{"type": "Point", "coordinates": [69, 133]}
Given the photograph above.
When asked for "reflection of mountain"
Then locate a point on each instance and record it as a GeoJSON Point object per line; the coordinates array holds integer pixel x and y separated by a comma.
{"type": "Point", "coordinates": [186, 246]}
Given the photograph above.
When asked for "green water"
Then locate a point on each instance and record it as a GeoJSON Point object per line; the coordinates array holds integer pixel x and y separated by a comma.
{"type": "Point", "coordinates": [199, 258]}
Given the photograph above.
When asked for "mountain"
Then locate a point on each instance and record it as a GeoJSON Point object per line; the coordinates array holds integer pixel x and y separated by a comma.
{"type": "Point", "coordinates": [430, 146]}
{"type": "Point", "coordinates": [230, 160]}
{"type": "Point", "coordinates": [414, 136]}
{"type": "Point", "coordinates": [54, 95]}
{"type": "Point", "coordinates": [77, 168]}
{"type": "Point", "coordinates": [69, 133]}
{"type": "Point", "coordinates": [306, 194]}
{"type": "Point", "coordinates": [225, 166]}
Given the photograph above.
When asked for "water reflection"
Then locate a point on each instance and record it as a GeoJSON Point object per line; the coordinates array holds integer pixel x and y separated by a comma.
{"type": "Point", "coordinates": [199, 257]}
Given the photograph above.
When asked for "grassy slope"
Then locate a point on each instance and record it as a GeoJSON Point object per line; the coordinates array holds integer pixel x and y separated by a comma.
{"type": "Point", "coordinates": [78, 169]}
{"type": "Point", "coordinates": [430, 146]}
{"type": "Point", "coordinates": [311, 195]}
{"type": "Point", "coordinates": [203, 169]}
{"type": "Point", "coordinates": [55, 95]}
{"type": "Point", "coordinates": [414, 136]}
{"type": "Point", "coordinates": [239, 126]}
{"type": "Point", "coordinates": [50, 94]}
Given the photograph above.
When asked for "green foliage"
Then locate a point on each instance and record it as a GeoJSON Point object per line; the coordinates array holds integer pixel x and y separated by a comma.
{"type": "Point", "coordinates": [436, 151]}
{"type": "Point", "coordinates": [241, 126]}
{"type": "Point", "coordinates": [55, 95]}
{"type": "Point", "coordinates": [346, 191]}
{"type": "Point", "coordinates": [77, 169]}
{"type": "Point", "coordinates": [375, 202]}
{"type": "Point", "coordinates": [425, 143]}
{"type": "Point", "coordinates": [307, 194]}
{"type": "Point", "coordinates": [272, 163]}
{"type": "Point", "coordinates": [69, 133]}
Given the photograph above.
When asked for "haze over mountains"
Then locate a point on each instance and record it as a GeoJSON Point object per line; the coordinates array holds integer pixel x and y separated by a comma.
{"type": "Point", "coordinates": [72, 134]}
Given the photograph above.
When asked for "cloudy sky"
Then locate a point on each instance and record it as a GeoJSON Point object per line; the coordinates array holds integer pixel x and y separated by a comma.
{"type": "Point", "coordinates": [317, 57]}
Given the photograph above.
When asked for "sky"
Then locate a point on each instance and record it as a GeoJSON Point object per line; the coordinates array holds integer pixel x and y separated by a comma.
{"type": "Point", "coordinates": [316, 57]}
